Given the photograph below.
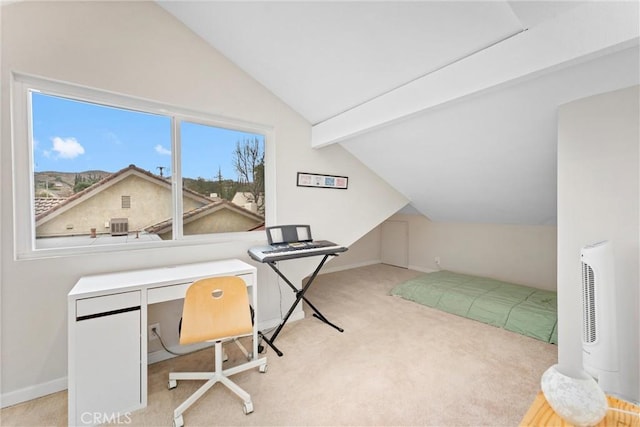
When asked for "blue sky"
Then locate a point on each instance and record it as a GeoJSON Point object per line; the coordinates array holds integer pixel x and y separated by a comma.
{"type": "Point", "coordinates": [71, 136]}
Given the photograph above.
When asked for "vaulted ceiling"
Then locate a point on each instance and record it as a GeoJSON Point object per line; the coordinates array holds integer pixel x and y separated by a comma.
{"type": "Point", "coordinates": [452, 103]}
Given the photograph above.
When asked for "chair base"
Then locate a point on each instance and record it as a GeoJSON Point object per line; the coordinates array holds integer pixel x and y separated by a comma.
{"type": "Point", "coordinates": [218, 375]}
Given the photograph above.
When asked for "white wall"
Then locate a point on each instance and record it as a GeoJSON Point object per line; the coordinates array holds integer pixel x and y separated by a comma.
{"type": "Point", "coordinates": [136, 48]}
{"type": "Point", "coordinates": [364, 251]}
{"type": "Point", "coordinates": [598, 193]}
{"type": "Point", "coordinates": [516, 253]}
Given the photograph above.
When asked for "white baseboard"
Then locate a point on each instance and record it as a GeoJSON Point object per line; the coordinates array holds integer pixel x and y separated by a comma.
{"type": "Point", "coordinates": [326, 270]}
{"type": "Point", "coordinates": [273, 323]}
{"type": "Point", "coordinates": [371, 262]}
{"type": "Point", "coordinates": [160, 355]}
{"type": "Point", "coordinates": [422, 269]}
{"type": "Point", "coordinates": [32, 392]}
{"type": "Point", "coordinates": [330, 269]}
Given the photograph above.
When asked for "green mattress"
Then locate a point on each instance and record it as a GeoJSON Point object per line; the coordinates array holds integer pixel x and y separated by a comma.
{"type": "Point", "coordinates": [527, 311]}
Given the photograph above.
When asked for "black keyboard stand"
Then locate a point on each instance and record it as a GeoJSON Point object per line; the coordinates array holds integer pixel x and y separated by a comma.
{"type": "Point", "coordinates": [299, 297]}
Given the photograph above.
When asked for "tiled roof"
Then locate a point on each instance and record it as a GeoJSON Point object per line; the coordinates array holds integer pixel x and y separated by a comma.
{"type": "Point", "coordinates": [43, 204]}
{"type": "Point", "coordinates": [166, 225]}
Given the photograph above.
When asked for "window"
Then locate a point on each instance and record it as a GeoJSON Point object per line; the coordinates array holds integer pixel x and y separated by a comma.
{"type": "Point", "coordinates": [93, 157]}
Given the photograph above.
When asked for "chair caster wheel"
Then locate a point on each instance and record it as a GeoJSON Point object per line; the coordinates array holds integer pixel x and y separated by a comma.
{"type": "Point", "coordinates": [263, 368]}
{"type": "Point", "coordinates": [178, 422]}
{"type": "Point", "coordinates": [247, 408]}
{"type": "Point", "coordinates": [173, 384]}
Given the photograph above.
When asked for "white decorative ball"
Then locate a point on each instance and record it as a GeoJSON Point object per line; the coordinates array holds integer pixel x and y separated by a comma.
{"type": "Point", "coordinates": [579, 401]}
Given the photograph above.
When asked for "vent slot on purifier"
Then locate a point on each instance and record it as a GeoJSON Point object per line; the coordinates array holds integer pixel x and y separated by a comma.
{"type": "Point", "coordinates": [589, 305]}
{"type": "Point", "coordinates": [599, 321]}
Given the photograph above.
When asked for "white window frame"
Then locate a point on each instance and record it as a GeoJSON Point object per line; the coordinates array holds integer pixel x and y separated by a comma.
{"type": "Point", "coordinates": [23, 172]}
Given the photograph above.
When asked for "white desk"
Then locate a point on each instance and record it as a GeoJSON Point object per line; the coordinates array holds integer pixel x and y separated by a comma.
{"type": "Point", "coordinates": [108, 334]}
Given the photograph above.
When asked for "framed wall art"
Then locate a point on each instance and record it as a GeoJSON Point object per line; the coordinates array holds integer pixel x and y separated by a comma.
{"type": "Point", "coordinates": [306, 179]}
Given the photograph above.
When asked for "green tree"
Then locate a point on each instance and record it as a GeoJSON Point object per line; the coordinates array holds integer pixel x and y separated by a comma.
{"type": "Point", "coordinates": [81, 182]}
{"type": "Point", "coordinates": [81, 185]}
{"type": "Point", "coordinates": [220, 189]}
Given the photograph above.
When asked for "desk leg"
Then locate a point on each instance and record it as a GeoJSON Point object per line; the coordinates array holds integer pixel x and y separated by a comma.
{"type": "Point", "coordinates": [299, 296]}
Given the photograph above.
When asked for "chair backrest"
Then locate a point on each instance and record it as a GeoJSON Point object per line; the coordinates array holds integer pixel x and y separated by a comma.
{"type": "Point", "coordinates": [214, 309]}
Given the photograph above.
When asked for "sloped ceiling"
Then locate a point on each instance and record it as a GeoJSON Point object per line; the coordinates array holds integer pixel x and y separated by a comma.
{"type": "Point", "coordinates": [453, 103]}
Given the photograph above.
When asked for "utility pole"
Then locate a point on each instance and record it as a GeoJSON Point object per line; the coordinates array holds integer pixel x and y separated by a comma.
{"type": "Point", "coordinates": [161, 168]}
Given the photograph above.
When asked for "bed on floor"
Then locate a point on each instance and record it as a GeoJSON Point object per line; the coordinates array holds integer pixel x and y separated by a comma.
{"type": "Point", "coordinates": [517, 308]}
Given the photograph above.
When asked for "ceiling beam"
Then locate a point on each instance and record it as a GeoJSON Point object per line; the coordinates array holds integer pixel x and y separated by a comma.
{"type": "Point", "coordinates": [582, 33]}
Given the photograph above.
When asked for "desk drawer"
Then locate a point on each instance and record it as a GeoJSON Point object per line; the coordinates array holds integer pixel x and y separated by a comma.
{"type": "Point", "coordinates": [167, 293]}
{"type": "Point", "coordinates": [173, 292]}
{"type": "Point", "coordinates": [106, 304]}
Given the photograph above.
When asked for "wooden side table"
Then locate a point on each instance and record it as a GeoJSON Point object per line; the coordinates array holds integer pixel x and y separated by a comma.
{"type": "Point", "coordinates": [540, 414]}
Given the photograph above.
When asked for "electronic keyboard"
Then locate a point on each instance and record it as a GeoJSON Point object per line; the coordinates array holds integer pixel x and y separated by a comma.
{"type": "Point", "coordinates": [291, 242]}
{"type": "Point", "coordinates": [282, 251]}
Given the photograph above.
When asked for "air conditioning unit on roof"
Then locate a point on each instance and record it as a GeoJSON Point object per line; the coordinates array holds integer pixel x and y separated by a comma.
{"type": "Point", "coordinates": [119, 226]}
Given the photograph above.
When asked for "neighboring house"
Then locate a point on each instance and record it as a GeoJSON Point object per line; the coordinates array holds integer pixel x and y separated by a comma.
{"type": "Point", "coordinates": [221, 216]}
{"type": "Point", "coordinates": [247, 201]}
{"type": "Point", "coordinates": [144, 200]}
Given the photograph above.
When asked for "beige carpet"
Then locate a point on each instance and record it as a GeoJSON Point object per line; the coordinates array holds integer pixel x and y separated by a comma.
{"type": "Point", "coordinates": [396, 364]}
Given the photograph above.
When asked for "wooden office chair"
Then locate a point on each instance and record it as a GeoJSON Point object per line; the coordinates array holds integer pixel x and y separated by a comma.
{"type": "Point", "coordinates": [215, 309]}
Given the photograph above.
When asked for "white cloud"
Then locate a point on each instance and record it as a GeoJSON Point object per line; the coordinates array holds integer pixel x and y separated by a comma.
{"type": "Point", "coordinates": [67, 148]}
{"type": "Point", "coordinates": [161, 150]}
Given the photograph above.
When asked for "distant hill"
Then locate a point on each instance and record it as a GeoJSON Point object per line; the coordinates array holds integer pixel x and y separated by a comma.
{"type": "Point", "coordinates": [60, 184]}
